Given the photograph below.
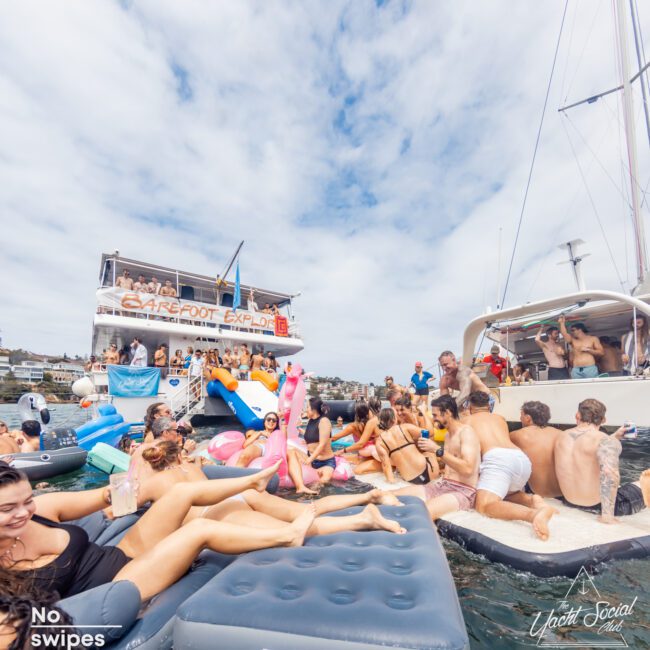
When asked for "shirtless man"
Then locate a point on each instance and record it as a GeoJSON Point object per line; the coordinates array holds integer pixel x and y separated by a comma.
{"type": "Point", "coordinates": [124, 281]}
{"type": "Point", "coordinates": [112, 356]}
{"type": "Point", "coordinates": [537, 440]}
{"type": "Point", "coordinates": [8, 444]}
{"type": "Point", "coordinates": [612, 360]}
{"type": "Point", "coordinates": [244, 361]}
{"type": "Point", "coordinates": [391, 385]}
{"type": "Point", "coordinates": [586, 350]}
{"type": "Point", "coordinates": [257, 360]}
{"type": "Point", "coordinates": [226, 360]}
{"type": "Point", "coordinates": [153, 286]}
{"type": "Point", "coordinates": [30, 432]}
{"type": "Point", "coordinates": [140, 285]}
{"type": "Point", "coordinates": [554, 353]}
{"type": "Point", "coordinates": [456, 490]}
{"type": "Point", "coordinates": [168, 290]}
{"type": "Point", "coordinates": [587, 467]}
{"type": "Point", "coordinates": [504, 471]}
{"type": "Point", "coordinates": [460, 378]}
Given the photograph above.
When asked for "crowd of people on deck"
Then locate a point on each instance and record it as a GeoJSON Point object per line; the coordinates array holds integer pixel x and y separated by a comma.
{"type": "Point", "coordinates": [239, 360]}
{"type": "Point", "coordinates": [572, 353]}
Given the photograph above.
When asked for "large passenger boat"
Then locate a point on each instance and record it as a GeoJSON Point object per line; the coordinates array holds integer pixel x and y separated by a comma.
{"type": "Point", "coordinates": [199, 314]}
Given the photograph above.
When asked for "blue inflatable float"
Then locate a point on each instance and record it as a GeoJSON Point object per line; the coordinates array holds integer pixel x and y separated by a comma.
{"type": "Point", "coordinates": [109, 428]}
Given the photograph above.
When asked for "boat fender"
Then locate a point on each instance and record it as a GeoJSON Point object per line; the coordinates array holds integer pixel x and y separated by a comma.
{"type": "Point", "coordinates": [265, 378]}
{"type": "Point", "coordinates": [222, 375]}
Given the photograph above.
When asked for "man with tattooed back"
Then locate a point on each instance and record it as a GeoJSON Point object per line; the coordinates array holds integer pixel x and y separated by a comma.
{"type": "Point", "coordinates": [587, 467]}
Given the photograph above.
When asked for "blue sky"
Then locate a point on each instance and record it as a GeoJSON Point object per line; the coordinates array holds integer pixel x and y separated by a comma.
{"type": "Point", "coordinates": [368, 153]}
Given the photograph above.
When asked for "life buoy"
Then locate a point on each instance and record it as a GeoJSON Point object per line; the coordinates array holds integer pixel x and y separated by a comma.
{"type": "Point", "coordinates": [265, 378]}
{"type": "Point", "coordinates": [222, 375]}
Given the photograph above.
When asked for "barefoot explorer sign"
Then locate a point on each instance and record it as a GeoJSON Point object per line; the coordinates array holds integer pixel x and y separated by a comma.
{"type": "Point", "coordinates": [583, 618]}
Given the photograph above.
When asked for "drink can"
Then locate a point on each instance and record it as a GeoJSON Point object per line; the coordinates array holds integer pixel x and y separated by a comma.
{"type": "Point", "coordinates": [425, 433]}
{"type": "Point", "coordinates": [630, 430]}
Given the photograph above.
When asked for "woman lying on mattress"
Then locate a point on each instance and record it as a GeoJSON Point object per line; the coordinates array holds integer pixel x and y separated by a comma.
{"type": "Point", "coordinates": [38, 551]}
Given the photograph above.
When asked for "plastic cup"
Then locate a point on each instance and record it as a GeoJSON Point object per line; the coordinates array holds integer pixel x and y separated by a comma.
{"type": "Point", "coordinates": [630, 430]}
{"type": "Point", "coordinates": [425, 433]}
{"type": "Point", "coordinates": [124, 499]}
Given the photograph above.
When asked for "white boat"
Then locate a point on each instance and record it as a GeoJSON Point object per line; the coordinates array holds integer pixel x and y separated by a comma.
{"type": "Point", "coordinates": [201, 316]}
{"type": "Point", "coordinates": [605, 312]}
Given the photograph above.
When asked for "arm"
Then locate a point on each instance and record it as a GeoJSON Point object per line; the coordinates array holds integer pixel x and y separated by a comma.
{"type": "Point", "coordinates": [464, 377]}
{"type": "Point", "coordinates": [608, 453]}
{"type": "Point", "coordinates": [65, 506]}
{"type": "Point", "coordinates": [251, 437]}
{"type": "Point", "coordinates": [538, 338]}
{"type": "Point", "coordinates": [598, 351]}
{"type": "Point", "coordinates": [346, 431]}
{"type": "Point", "coordinates": [365, 436]}
{"type": "Point", "coordinates": [565, 335]}
{"type": "Point", "coordinates": [470, 454]}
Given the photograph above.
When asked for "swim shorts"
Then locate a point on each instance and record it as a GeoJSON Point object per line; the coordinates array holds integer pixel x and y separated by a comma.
{"type": "Point", "coordinates": [629, 501]}
{"type": "Point", "coordinates": [584, 372]}
{"type": "Point", "coordinates": [504, 470]}
{"type": "Point", "coordinates": [464, 494]}
{"type": "Point", "coordinates": [556, 374]}
{"type": "Point", "coordinates": [330, 462]}
{"type": "Point", "coordinates": [243, 367]}
{"type": "Point", "coordinates": [422, 391]}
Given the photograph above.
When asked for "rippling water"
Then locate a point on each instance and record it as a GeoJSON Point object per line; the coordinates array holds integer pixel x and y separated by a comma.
{"type": "Point", "coordinates": [498, 603]}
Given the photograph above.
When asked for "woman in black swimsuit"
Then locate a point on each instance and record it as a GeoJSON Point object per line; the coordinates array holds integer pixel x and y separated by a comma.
{"type": "Point", "coordinates": [318, 438]}
{"type": "Point", "coordinates": [38, 551]}
{"type": "Point", "coordinates": [396, 446]}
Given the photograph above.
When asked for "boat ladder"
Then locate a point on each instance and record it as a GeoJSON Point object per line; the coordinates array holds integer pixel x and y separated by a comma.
{"type": "Point", "coordinates": [188, 399]}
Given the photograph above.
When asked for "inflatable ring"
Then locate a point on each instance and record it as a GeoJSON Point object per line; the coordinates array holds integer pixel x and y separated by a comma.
{"type": "Point", "coordinates": [268, 380]}
{"type": "Point", "coordinates": [222, 375]}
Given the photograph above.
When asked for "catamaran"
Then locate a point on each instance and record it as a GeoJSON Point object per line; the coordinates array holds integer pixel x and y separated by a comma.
{"type": "Point", "coordinates": [607, 312]}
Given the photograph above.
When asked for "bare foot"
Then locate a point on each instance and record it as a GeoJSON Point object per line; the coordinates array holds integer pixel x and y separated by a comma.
{"type": "Point", "coordinates": [262, 478]}
{"type": "Point", "coordinates": [644, 479]}
{"type": "Point", "coordinates": [381, 498]}
{"type": "Point", "coordinates": [376, 521]}
{"type": "Point", "coordinates": [540, 521]}
{"type": "Point", "coordinates": [305, 490]}
{"type": "Point", "coordinates": [300, 525]}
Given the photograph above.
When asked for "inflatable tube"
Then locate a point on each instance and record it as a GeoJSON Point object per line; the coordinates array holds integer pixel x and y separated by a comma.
{"type": "Point", "coordinates": [341, 408]}
{"type": "Point", "coordinates": [32, 406]}
{"type": "Point", "coordinates": [223, 376]}
{"type": "Point", "coordinates": [40, 465]}
{"type": "Point", "coordinates": [268, 380]}
{"type": "Point", "coordinates": [576, 539]}
{"type": "Point", "coordinates": [225, 444]}
{"type": "Point", "coordinates": [108, 459]}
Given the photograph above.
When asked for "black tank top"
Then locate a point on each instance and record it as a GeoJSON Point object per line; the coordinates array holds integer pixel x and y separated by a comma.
{"type": "Point", "coordinates": [82, 565]}
{"type": "Point", "coordinates": [312, 434]}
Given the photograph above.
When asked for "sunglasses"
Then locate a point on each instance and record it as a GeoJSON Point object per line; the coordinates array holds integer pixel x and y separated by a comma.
{"type": "Point", "coordinates": [271, 420]}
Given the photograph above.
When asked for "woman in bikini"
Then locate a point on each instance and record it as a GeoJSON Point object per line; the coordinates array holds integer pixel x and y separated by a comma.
{"type": "Point", "coordinates": [396, 447]}
{"type": "Point", "coordinates": [255, 443]}
{"type": "Point", "coordinates": [364, 444]}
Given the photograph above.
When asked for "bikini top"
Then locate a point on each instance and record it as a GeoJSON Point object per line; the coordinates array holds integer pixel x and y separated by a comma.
{"type": "Point", "coordinates": [407, 443]}
{"type": "Point", "coordinates": [312, 434]}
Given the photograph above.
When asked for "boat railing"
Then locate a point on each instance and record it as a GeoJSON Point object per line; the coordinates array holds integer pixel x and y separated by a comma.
{"type": "Point", "coordinates": [154, 307]}
{"type": "Point", "coordinates": [188, 398]}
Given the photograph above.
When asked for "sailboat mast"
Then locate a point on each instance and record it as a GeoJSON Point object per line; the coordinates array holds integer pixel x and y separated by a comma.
{"type": "Point", "coordinates": [630, 136]}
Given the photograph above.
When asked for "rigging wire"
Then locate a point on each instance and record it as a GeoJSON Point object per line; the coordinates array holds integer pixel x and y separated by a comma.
{"type": "Point", "coordinates": [568, 54]}
{"type": "Point", "coordinates": [593, 205]}
{"type": "Point", "coordinates": [532, 164]}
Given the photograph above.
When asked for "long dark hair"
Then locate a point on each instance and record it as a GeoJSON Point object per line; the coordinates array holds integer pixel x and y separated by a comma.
{"type": "Point", "coordinates": [151, 415]}
{"type": "Point", "coordinates": [386, 419]}
{"type": "Point", "coordinates": [317, 404]}
{"type": "Point", "coordinates": [277, 419]}
{"type": "Point", "coordinates": [374, 404]}
{"type": "Point", "coordinates": [361, 413]}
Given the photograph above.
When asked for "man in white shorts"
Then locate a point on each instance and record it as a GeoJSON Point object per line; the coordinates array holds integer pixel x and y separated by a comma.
{"type": "Point", "coordinates": [504, 471]}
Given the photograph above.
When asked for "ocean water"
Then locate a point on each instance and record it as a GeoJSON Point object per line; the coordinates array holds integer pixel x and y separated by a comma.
{"type": "Point", "coordinates": [499, 604]}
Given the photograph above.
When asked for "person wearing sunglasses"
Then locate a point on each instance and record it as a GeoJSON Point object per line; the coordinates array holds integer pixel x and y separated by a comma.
{"type": "Point", "coordinates": [255, 443]}
{"type": "Point", "coordinates": [125, 281]}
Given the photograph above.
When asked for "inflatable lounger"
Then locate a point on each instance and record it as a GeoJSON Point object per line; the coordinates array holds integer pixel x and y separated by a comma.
{"type": "Point", "coordinates": [250, 401]}
{"type": "Point", "coordinates": [108, 428]}
{"type": "Point", "coordinates": [576, 539]}
{"type": "Point", "coordinates": [40, 465]}
{"type": "Point", "coordinates": [108, 459]}
{"type": "Point", "coordinates": [353, 591]}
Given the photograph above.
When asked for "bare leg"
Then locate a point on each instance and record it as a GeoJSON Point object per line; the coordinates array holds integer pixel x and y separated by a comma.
{"type": "Point", "coordinates": [294, 461]}
{"type": "Point", "coordinates": [325, 474]}
{"type": "Point", "coordinates": [442, 505]}
{"type": "Point", "coordinates": [163, 564]}
{"type": "Point", "coordinates": [523, 499]}
{"type": "Point", "coordinates": [168, 513]}
{"type": "Point", "coordinates": [411, 491]}
{"type": "Point", "coordinates": [490, 505]}
{"type": "Point", "coordinates": [368, 467]}
{"type": "Point", "coordinates": [369, 519]}
{"type": "Point", "coordinates": [286, 510]}
{"type": "Point", "coordinates": [248, 455]}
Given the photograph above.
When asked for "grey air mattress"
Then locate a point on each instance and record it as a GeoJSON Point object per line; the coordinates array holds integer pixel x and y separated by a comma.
{"type": "Point", "coordinates": [357, 590]}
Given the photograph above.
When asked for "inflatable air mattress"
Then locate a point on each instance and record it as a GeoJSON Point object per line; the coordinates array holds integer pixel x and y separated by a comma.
{"type": "Point", "coordinates": [108, 459]}
{"type": "Point", "coordinates": [41, 465]}
{"type": "Point", "coordinates": [577, 539]}
{"type": "Point", "coordinates": [108, 428]}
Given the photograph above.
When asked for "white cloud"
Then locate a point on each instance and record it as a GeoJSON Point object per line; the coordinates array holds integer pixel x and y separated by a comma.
{"type": "Point", "coordinates": [368, 156]}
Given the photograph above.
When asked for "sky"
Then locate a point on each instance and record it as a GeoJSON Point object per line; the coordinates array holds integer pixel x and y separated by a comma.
{"type": "Point", "coordinates": [372, 155]}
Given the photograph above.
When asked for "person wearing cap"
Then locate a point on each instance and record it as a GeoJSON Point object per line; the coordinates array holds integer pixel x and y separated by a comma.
{"type": "Point", "coordinates": [420, 381]}
{"type": "Point", "coordinates": [497, 363]}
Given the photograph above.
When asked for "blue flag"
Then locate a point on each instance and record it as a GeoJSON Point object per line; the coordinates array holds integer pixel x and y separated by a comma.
{"type": "Point", "coordinates": [236, 300]}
